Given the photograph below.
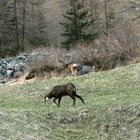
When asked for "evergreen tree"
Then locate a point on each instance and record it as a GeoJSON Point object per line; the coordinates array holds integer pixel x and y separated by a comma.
{"type": "Point", "coordinates": [78, 22]}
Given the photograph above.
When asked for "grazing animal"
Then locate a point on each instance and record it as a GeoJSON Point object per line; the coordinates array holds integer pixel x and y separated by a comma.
{"type": "Point", "coordinates": [72, 69]}
{"type": "Point", "coordinates": [63, 90]}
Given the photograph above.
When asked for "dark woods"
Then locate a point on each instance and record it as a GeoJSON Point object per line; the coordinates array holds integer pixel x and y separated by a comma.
{"type": "Point", "coordinates": [22, 25]}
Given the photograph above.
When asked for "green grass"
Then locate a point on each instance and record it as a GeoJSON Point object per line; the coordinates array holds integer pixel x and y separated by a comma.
{"type": "Point", "coordinates": [111, 110]}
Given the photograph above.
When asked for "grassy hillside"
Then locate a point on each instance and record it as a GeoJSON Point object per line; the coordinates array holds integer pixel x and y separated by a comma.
{"type": "Point", "coordinates": [111, 110]}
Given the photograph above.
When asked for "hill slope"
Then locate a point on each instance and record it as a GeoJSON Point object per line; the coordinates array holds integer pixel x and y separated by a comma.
{"type": "Point", "coordinates": [112, 109]}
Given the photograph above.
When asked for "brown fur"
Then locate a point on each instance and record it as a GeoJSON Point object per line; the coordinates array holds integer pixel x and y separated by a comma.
{"type": "Point", "coordinates": [72, 69]}
{"type": "Point", "coordinates": [63, 90]}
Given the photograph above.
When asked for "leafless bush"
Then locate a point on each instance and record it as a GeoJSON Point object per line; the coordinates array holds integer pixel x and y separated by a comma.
{"type": "Point", "coordinates": [45, 63]}
{"type": "Point", "coordinates": [46, 56]}
{"type": "Point", "coordinates": [113, 50]}
{"type": "Point", "coordinates": [107, 52]}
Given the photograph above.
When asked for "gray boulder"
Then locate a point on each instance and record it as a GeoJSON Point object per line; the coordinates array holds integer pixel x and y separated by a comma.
{"type": "Point", "coordinates": [85, 70]}
{"type": "Point", "coordinates": [13, 67]}
{"type": "Point", "coordinates": [9, 74]}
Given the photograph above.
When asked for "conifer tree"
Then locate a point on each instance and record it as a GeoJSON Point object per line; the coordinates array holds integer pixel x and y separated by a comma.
{"type": "Point", "coordinates": [78, 22]}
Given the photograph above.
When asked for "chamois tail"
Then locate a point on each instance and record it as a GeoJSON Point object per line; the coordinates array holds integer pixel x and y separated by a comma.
{"type": "Point", "coordinates": [78, 96]}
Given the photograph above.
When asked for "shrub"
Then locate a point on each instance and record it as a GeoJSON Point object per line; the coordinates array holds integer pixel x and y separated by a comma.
{"type": "Point", "coordinates": [115, 49]}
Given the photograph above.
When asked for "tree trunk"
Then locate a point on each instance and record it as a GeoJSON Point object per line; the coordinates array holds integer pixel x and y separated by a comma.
{"type": "Point", "coordinates": [106, 15]}
{"type": "Point", "coordinates": [16, 26]}
{"type": "Point", "coordinates": [2, 43]}
{"type": "Point", "coordinates": [23, 26]}
{"type": "Point", "coordinates": [76, 20]}
{"type": "Point", "coordinates": [33, 21]}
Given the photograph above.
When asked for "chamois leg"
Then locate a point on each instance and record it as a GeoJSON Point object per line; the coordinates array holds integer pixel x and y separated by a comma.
{"type": "Point", "coordinates": [78, 96]}
{"type": "Point", "coordinates": [45, 98]}
{"type": "Point", "coordinates": [74, 99]}
{"type": "Point", "coordinates": [54, 100]}
{"type": "Point", "coordinates": [59, 101]}
{"type": "Point", "coordinates": [72, 73]}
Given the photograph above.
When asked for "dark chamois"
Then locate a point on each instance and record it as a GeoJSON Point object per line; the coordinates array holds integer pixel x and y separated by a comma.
{"type": "Point", "coordinates": [63, 90]}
